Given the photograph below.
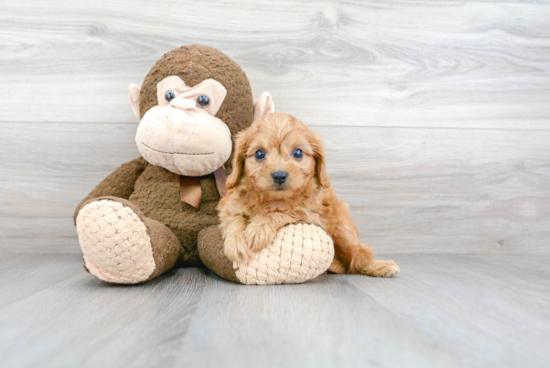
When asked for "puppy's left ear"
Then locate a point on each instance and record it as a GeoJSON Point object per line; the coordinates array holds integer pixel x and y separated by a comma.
{"type": "Point", "coordinates": [320, 165]}
{"type": "Point", "coordinates": [263, 105]}
{"type": "Point", "coordinates": [238, 159]}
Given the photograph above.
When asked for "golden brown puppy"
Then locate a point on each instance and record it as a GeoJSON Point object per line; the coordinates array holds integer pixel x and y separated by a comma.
{"type": "Point", "coordinates": [279, 178]}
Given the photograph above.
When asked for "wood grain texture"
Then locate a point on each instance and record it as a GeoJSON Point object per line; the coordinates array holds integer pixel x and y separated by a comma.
{"type": "Point", "coordinates": [444, 190]}
{"type": "Point", "coordinates": [23, 275]}
{"type": "Point", "coordinates": [436, 114]}
{"type": "Point", "coordinates": [47, 169]}
{"type": "Point", "coordinates": [361, 63]}
{"type": "Point", "coordinates": [410, 190]}
{"type": "Point", "coordinates": [451, 311]}
{"type": "Point", "coordinates": [436, 117]}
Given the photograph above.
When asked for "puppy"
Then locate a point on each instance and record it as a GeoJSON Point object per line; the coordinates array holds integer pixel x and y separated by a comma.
{"type": "Point", "coordinates": [278, 178]}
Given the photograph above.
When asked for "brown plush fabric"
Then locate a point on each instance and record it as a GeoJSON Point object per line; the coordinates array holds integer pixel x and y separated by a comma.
{"type": "Point", "coordinates": [166, 246]}
{"type": "Point", "coordinates": [120, 183]}
{"type": "Point", "coordinates": [195, 63]}
{"type": "Point", "coordinates": [210, 247]}
{"type": "Point", "coordinates": [157, 194]}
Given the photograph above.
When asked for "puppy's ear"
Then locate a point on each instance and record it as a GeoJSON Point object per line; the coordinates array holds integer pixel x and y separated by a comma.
{"type": "Point", "coordinates": [320, 166]}
{"type": "Point", "coordinates": [238, 159]}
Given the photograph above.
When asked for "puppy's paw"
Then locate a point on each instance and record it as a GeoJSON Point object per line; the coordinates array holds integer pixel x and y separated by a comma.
{"type": "Point", "coordinates": [236, 249]}
{"type": "Point", "coordinates": [380, 268]}
{"type": "Point", "coordinates": [259, 235]}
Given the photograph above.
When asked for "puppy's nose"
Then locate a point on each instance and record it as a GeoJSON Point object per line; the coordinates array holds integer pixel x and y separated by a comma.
{"type": "Point", "coordinates": [279, 177]}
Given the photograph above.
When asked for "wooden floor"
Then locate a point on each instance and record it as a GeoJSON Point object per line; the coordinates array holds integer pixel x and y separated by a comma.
{"type": "Point", "coordinates": [442, 311]}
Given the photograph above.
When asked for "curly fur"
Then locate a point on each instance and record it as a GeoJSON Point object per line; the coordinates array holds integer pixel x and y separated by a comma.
{"type": "Point", "coordinates": [255, 207]}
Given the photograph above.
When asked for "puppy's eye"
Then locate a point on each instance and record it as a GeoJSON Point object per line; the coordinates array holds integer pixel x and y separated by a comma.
{"type": "Point", "coordinates": [297, 154]}
{"type": "Point", "coordinates": [169, 96]}
{"type": "Point", "coordinates": [260, 155]}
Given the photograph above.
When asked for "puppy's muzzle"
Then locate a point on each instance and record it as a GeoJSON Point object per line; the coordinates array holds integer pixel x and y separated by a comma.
{"type": "Point", "coordinates": [279, 177]}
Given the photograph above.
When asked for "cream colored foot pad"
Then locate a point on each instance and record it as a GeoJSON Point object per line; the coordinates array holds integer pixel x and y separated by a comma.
{"type": "Point", "coordinates": [300, 252]}
{"type": "Point", "coordinates": [115, 242]}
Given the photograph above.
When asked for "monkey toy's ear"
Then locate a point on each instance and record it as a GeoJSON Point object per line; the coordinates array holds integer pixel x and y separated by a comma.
{"type": "Point", "coordinates": [134, 99]}
{"type": "Point", "coordinates": [263, 105]}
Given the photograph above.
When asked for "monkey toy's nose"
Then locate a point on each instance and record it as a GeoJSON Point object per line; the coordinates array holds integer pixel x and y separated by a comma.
{"type": "Point", "coordinates": [279, 177]}
{"type": "Point", "coordinates": [183, 103]}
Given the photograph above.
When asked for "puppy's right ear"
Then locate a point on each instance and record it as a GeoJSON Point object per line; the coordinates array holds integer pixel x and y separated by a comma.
{"type": "Point", "coordinates": [238, 159]}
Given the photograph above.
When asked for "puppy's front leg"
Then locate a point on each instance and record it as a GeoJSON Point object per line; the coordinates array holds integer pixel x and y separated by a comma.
{"type": "Point", "coordinates": [261, 230]}
{"type": "Point", "coordinates": [235, 246]}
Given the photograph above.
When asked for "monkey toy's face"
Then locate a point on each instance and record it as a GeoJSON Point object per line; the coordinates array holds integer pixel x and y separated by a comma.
{"type": "Point", "coordinates": [182, 133]}
{"type": "Point", "coordinates": [192, 103]}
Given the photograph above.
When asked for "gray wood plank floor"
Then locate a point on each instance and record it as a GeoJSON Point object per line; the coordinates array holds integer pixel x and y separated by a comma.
{"type": "Point", "coordinates": [441, 311]}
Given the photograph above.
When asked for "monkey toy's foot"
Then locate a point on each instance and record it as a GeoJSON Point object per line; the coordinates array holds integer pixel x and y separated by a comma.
{"type": "Point", "coordinates": [122, 246]}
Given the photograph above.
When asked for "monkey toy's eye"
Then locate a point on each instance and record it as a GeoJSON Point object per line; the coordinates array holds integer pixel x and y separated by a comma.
{"type": "Point", "coordinates": [260, 155]}
{"type": "Point", "coordinates": [297, 154]}
{"type": "Point", "coordinates": [169, 95]}
{"type": "Point", "coordinates": [203, 100]}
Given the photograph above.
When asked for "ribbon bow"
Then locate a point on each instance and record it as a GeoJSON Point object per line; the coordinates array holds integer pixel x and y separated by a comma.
{"type": "Point", "coordinates": [190, 187]}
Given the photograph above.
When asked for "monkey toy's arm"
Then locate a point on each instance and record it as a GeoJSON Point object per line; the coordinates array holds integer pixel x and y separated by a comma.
{"type": "Point", "coordinates": [120, 183]}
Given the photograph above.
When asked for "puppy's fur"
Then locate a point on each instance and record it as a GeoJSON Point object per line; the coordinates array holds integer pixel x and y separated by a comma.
{"type": "Point", "coordinates": [255, 206]}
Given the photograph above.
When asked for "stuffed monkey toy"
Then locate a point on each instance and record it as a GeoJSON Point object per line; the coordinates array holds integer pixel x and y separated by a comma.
{"type": "Point", "coordinates": [159, 210]}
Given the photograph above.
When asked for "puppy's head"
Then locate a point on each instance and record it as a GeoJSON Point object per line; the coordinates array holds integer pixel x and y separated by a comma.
{"type": "Point", "coordinates": [280, 157]}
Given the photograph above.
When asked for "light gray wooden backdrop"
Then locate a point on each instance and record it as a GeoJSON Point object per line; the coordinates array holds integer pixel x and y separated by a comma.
{"type": "Point", "coordinates": [436, 114]}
